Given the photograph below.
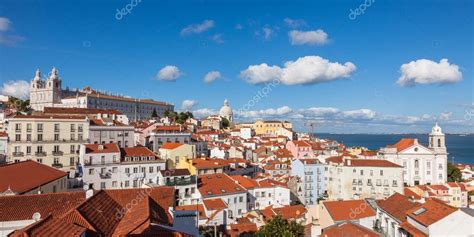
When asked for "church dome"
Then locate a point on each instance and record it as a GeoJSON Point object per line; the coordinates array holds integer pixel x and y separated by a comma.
{"type": "Point", "coordinates": [226, 111]}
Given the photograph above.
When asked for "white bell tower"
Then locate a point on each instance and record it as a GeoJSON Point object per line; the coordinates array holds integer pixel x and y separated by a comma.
{"type": "Point", "coordinates": [437, 139]}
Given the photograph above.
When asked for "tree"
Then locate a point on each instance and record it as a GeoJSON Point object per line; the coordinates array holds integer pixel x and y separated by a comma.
{"type": "Point", "coordinates": [154, 114]}
{"type": "Point", "coordinates": [21, 106]}
{"type": "Point", "coordinates": [225, 122]}
{"type": "Point", "coordinates": [183, 116]}
{"type": "Point", "coordinates": [454, 174]}
{"type": "Point", "coordinates": [279, 227]}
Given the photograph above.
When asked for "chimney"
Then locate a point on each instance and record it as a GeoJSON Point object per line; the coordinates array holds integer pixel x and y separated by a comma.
{"type": "Point", "coordinates": [349, 162]}
{"type": "Point", "coordinates": [101, 147]}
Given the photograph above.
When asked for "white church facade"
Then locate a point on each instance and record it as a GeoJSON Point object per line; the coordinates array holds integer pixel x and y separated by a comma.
{"type": "Point", "coordinates": [49, 93]}
{"type": "Point", "coordinates": [421, 165]}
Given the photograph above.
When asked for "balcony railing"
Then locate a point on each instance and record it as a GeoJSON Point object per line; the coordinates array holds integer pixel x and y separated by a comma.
{"type": "Point", "coordinates": [177, 182]}
{"type": "Point", "coordinates": [18, 154]}
{"type": "Point", "coordinates": [42, 153]}
{"type": "Point", "coordinates": [57, 165]}
{"type": "Point", "coordinates": [58, 153]}
{"type": "Point", "coordinates": [106, 175]}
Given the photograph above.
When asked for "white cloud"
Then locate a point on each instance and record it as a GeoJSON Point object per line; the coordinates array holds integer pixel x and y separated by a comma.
{"type": "Point", "coordinates": [315, 37]}
{"type": "Point", "coordinates": [424, 71]}
{"type": "Point", "coordinates": [5, 37]}
{"type": "Point", "coordinates": [18, 89]}
{"type": "Point", "coordinates": [212, 76]}
{"type": "Point", "coordinates": [305, 70]}
{"type": "Point", "coordinates": [267, 32]}
{"type": "Point", "coordinates": [320, 111]}
{"type": "Point", "coordinates": [359, 114]}
{"type": "Point", "coordinates": [201, 113]}
{"type": "Point", "coordinates": [169, 73]}
{"type": "Point", "coordinates": [445, 115]}
{"type": "Point", "coordinates": [4, 24]}
{"type": "Point", "coordinates": [187, 105]}
{"type": "Point", "coordinates": [284, 110]}
{"type": "Point", "coordinates": [294, 23]}
{"type": "Point", "coordinates": [217, 38]}
{"type": "Point", "coordinates": [197, 28]}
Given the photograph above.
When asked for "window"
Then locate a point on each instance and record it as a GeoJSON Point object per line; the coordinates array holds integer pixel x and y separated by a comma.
{"type": "Point", "coordinates": [127, 183]}
{"type": "Point", "coordinates": [72, 161]}
{"type": "Point", "coordinates": [56, 137]}
{"type": "Point", "coordinates": [114, 169]}
{"type": "Point", "coordinates": [72, 149]}
{"type": "Point", "coordinates": [28, 127]}
{"type": "Point", "coordinates": [80, 137]}
{"type": "Point", "coordinates": [56, 127]}
{"type": "Point", "coordinates": [18, 127]}
{"type": "Point", "coordinates": [28, 150]}
{"type": "Point", "coordinates": [79, 127]}
{"type": "Point", "coordinates": [91, 171]}
{"type": "Point", "coordinates": [127, 170]}
{"type": "Point", "coordinates": [440, 166]}
{"type": "Point", "coordinates": [428, 165]}
{"type": "Point", "coordinates": [114, 184]}
{"type": "Point", "coordinates": [381, 172]}
{"type": "Point", "coordinates": [28, 137]}
{"type": "Point", "coordinates": [39, 127]}
{"type": "Point", "coordinates": [361, 172]}
{"type": "Point", "coordinates": [150, 169]}
{"type": "Point", "coordinates": [241, 199]}
{"type": "Point", "coordinates": [73, 127]}
{"type": "Point", "coordinates": [39, 160]}
{"type": "Point", "coordinates": [102, 185]}
{"type": "Point", "coordinates": [102, 160]}
{"type": "Point", "coordinates": [18, 137]}
{"type": "Point", "coordinates": [73, 137]}
{"type": "Point", "coordinates": [135, 170]}
{"type": "Point", "coordinates": [56, 148]}
{"type": "Point", "coordinates": [40, 137]}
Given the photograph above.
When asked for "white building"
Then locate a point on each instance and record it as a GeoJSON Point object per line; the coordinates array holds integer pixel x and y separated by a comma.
{"type": "Point", "coordinates": [184, 183]}
{"type": "Point", "coordinates": [221, 186]}
{"type": "Point", "coordinates": [49, 93]}
{"type": "Point", "coordinates": [421, 165]}
{"type": "Point", "coordinates": [362, 178]}
{"type": "Point", "coordinates": [106, 166]}
{"type": "Point", "coordinates": [53, 140]}
{"type": "Point", "coordinates": [264, 192]}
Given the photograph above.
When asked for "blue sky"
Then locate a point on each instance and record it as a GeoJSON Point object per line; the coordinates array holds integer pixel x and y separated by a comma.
{"type": "Point", "coordinates": [90, 46]}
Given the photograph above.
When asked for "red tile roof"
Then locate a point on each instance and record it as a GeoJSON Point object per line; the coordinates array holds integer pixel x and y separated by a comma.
{"type": "Point", "coordinates": [199, 208]}
{"type": "Point", "coordinates": [348, 229]}
{"type": "Point", "coordinates": [414, 232]}
{"type": "Point", "coordinates": [57, 110]}
{"type": "Point", "coordinates": [214, 204]}
{"type": "Point", "coordinates": [434, 210]}
{"type": "Point", "coordinates": [24, 176]}
{"type": "Point", "coordinates": [370, 163]}
{"type": "Point", "coordinates": [137, 151]}
{"type": "Point", "coordinates": [218, 184]}
{"type": "Point", "coordinates": [102, 148]}
{"type": "Point", "coordinates": [241, 229]}
{"type": "Point", "coordinates": [291, 212]}
{"type": "Point", "coordinates": [170, 145]}
{"type": "Point", "coordinates": [404, 143]}
{"type": "Point", "coordinates": [40, 116]}
{"type": "Point", "coordinates": [396, 206]}
{"type": "Point", "coordinates": [22, 207]}
{"type": "Point", "coordinates": [347, 210]}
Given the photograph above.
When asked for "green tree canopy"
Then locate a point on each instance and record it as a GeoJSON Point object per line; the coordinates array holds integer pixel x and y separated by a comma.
{"type": "Point", "coordinates": [279, 227]}
{"type": "Point", "coordinates": [454, 174]}
{"type": "Point", "coordinates": [225, 122]}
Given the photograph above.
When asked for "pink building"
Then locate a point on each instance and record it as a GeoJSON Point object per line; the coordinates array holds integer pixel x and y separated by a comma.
{"type": "Point", "coordinates": [300, 149]}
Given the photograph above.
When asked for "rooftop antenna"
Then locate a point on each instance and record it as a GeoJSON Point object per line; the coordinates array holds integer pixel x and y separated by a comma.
{"type": "Point", "coordinates": [311, 124]}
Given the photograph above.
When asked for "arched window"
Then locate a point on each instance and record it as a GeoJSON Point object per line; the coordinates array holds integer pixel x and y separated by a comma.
{"type": "Point", "coordinates": [439, 142]}
{"type": "Point", "coordinates": [416, 164]}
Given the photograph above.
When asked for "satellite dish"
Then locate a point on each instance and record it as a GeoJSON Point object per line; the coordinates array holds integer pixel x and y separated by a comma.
{"type": "Point", "coordinates": [36, 216]}
{"type": "Point", "coordinates": [85, 187]}
{"type": "Point", "coordinates": [89, 193]}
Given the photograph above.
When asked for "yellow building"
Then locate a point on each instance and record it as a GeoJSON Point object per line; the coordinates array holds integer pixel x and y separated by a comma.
{"type": "Point", "coordinates": [270, 127]}
{"type": "Point", "coordinates": [173, 153]}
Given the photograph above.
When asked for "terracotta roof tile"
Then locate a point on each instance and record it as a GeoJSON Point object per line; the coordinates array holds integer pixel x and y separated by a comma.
{"type": "Point", "coordinates": [170, 145]}
{"type": "Point", "coordinates": [348, 229]}
{"type": "Point", "coordinates": [102, 148]}
{"type": "Point", "coordinates": [341, 210]}
{"type": "Point", "coordinates": [218, 184]}
{"type": "Point", "coordinates": [214, 204]}
{"type": "Point", "coordinates": [397, 205]}
{"type": "Point", "coordinates": [430, 212]}
{"type": "Point", "coordinates": [24, 176]}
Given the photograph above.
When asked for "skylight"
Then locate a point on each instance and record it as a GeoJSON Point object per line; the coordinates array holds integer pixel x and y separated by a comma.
{"type": "Point", "coordinates": [419, 211]}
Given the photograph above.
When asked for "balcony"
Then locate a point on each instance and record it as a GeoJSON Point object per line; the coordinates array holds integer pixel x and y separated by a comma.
{"type": "Point", "coordinates": [308, 172]}
{"type": "Point", "coordinates": [177, 182]}
{"type": "Point", "coordinates": [106, 175]}
{"type": "Point", "coordinates": [40, 154]}
{"type": "Point", "coordinates": [58, 153]}
{"type": "Point", "coordinates": [57, 165]}
{"type": "Point", "coordinates": [18, 154]}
